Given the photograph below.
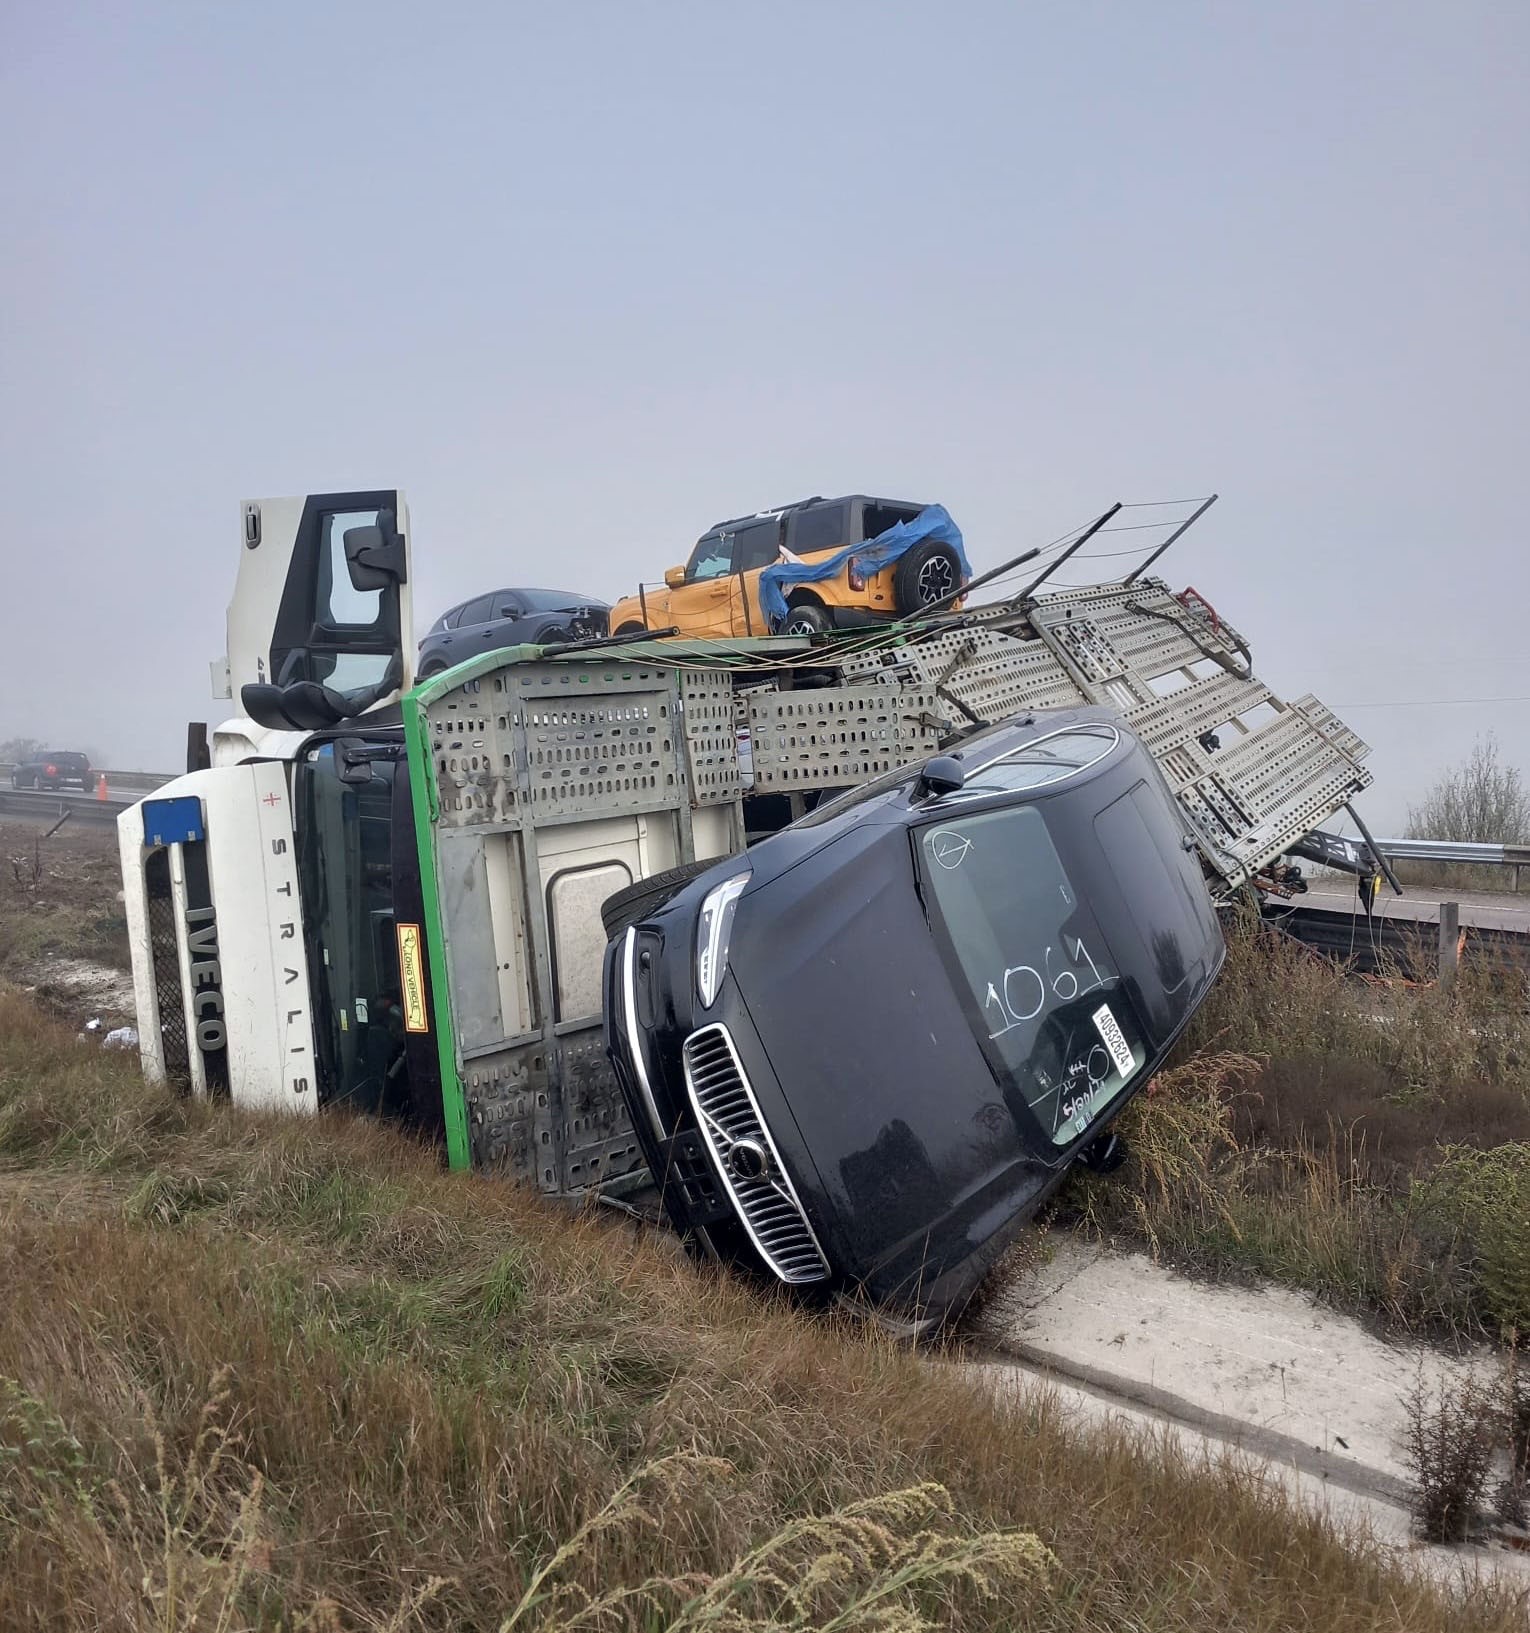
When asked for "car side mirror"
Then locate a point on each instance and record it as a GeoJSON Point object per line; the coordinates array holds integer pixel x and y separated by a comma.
{"type": "Point", "coordinates": [374, 556]}
{"type": "Point", "coordinates": [674, 577]}
{"type": "Point", "coordinates": [942, 775]}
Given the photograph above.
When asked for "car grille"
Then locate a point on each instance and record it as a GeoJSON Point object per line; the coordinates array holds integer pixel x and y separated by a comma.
{"type": "Point", "coordinates": [736, 1135]}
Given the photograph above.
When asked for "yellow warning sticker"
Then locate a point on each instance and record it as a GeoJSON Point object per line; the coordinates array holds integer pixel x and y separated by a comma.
{"type": "Point", "coordinates": [411, 976]}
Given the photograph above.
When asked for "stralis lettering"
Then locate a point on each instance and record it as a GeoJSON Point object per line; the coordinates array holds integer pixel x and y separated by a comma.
{"type": "Point", "coordinates": [206, 978]}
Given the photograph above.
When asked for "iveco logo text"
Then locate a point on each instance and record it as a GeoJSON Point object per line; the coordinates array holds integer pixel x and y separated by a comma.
{"type": "Point", "coordinates": [206, 978]}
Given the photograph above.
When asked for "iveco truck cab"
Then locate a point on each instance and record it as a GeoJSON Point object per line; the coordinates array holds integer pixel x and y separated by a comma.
{"type": "Point", "coordinates": [272, 893]}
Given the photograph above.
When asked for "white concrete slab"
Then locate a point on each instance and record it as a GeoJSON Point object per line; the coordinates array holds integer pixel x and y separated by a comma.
{"type": "Point", "coordinates": [1260, 1372]}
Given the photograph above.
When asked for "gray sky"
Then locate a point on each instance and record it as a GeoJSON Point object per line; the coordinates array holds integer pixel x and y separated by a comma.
{"type": "Point", "coordinates": [584, 278]}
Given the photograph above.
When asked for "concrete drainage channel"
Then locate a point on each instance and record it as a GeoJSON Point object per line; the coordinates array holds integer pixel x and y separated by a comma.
{"type": "Point", "coordinates": [1305, 1396]}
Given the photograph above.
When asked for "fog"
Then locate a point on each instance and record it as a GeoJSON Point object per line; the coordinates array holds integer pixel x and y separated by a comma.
{"type": "Point", "coordinates": [583, 279]}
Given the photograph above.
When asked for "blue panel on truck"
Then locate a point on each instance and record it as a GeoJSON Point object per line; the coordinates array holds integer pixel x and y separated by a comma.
{"type": "Point", "coordinates": [173, 821]}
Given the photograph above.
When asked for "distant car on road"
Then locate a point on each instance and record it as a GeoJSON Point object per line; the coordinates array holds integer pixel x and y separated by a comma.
{"type": "Point", "coordinates": [52, 770]}
{"type": "Point", "coordinates": [509, 618]}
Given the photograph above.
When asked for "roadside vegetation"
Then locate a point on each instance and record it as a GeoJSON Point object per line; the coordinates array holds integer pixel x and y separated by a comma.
{"type": "Point", "coordinates": [60, 897]}
{"type": "Point", "coordinates": [1482, 800]}
{"type": "Point", "coordinates": [1368, 1141]}
{"type": "Point", "coordinates": [261, 1374]}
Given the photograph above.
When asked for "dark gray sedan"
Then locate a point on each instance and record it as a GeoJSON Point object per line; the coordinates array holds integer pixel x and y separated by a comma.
{"type": "Point", "coordinates": [509, 618]}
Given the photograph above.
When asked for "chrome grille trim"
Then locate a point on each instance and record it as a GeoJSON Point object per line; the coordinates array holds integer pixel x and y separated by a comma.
{"type": "Point", "coordinates": [727, 1113]}
{"type": "Point", "coordinates": [634, 1032]}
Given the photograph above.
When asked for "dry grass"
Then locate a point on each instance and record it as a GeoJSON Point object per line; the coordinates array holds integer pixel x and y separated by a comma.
{"type": "Point", "coordinates": [290, 1374]}
{"type": "Point", "coordinates": [59, 898]}
{"type": "Point", "coordinates": [1366, 1142]}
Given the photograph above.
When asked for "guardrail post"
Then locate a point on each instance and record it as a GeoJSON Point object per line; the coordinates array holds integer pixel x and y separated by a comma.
{"type": "Point", "coordinates": [1450, 941]}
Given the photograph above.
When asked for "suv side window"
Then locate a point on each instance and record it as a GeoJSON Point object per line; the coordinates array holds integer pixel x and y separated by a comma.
{"type": "Point", "coordinates": [757, 545]}
{"type": "Point", "coordinates": [821, 528]}
{"type": "Point", "coordinates": [712, 557]}
{"type": "Point", "coordinates": [507, 606]}
{"type": "Point", "coordinates": [476, 612]}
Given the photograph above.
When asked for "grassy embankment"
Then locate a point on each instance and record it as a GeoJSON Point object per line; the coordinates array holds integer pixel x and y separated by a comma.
{"type": "Point", "coordinates": [258, 1374]}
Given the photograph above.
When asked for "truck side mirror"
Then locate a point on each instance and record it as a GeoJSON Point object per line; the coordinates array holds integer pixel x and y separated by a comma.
{"type": "Point", "coordinates": [374, 555]}
{"type": "Point", "coordinates": [674, 577]}
{"type": "Point", "coordinates": [942, 775]}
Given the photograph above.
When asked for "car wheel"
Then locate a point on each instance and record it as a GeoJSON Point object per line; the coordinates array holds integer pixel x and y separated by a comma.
{"type": "Point", "coordinates": [806, 618]}
{"type": "Point", "coordinates": [928, 573]}
{"type": "Point", "coordinates": [636, 901]}
{"type": "Point", "coordinates": [1104, 1154]}
{"type": "Point", "coordinates": [631, 627]}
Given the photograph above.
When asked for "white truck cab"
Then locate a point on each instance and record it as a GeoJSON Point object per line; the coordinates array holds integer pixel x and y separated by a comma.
{"type": "Point", "coordinates": [258, 886]}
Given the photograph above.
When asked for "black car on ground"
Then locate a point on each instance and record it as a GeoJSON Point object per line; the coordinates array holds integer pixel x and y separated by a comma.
{"type": "Point", "coordinates": [860, 1054]}
{"type": "Point", "coordinates": [57, 769]}
{"type": "Point", "coordinates": [509, 618]}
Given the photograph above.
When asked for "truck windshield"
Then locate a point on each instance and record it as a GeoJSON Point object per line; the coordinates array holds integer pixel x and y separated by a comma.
{"type": "Point", "coordinates": [344, 835]}
{"type": "Point", "coordinates": [1035, 975]}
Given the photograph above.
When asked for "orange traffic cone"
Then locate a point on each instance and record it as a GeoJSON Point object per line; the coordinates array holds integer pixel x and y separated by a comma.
{"type": "Point", "coordinates": [101, 786]}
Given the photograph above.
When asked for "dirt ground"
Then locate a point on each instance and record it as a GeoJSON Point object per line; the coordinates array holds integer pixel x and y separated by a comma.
{"type": "Point", "coordinates": [62, 930]}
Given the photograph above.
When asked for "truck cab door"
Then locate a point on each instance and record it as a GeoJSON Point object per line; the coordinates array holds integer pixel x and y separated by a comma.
{"type": "Point", "coordinates": [321, 626]}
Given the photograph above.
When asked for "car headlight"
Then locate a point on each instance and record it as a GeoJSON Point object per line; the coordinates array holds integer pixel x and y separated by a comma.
{"type": "Point", "coordinates": [712, 931]}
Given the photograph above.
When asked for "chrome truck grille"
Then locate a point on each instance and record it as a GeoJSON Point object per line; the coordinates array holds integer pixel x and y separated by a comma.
{"type": "Point", "coordinates": [746, 1158]}
{"type": "Point", "coordinates": [165, 955]}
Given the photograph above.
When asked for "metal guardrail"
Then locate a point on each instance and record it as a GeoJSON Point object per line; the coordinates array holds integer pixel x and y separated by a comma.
{"type": "Point", "coordinates": [1457, 852]}
{"type": "Point", "coordinates": [1454, 850]}
{"type": "Point", "coordinates": [45, 804]}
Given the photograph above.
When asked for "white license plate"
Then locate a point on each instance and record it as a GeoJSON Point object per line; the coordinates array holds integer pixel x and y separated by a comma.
{"type": "Point", "coordinates": [1114, 1039]}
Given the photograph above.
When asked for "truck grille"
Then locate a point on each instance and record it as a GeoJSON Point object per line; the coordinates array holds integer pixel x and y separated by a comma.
{"type": "Point", "coordinates": [165, 955]}
{"type": "Point", "coordinates": [746, 1158]}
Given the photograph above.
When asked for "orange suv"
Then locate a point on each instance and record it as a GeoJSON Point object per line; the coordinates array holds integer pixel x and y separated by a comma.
{"type": "Point", "coordinates": [718, 591]}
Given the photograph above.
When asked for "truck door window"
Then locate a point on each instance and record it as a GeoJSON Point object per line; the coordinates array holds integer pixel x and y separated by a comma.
{"type": "Point", "coordinates": [341, 604]}
{"type": "Point", "coordinates": [344, 846]}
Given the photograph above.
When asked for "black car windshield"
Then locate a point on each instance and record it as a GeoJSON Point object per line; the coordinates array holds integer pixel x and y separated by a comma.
{"type": "Point", "coordinates": [344, 846]}
{"type": "Point", "coordinates": [551, 600]}
{"type": "Point", "coordinates": [1035, 975]}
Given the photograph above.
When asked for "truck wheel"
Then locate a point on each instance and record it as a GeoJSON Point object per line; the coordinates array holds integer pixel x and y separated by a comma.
{"type": "Point", "coordinates": [928, 573]}
{"type": "Point", "coordinates": [636, 901]}
{"type": "Point", "coordinates": [806, 618]}
{"type": "Point", "coordinates": [631, 627]}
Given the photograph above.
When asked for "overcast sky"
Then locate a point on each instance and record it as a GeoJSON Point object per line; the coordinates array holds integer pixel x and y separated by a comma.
{"type": "Point", "coordinates": [584, 278]}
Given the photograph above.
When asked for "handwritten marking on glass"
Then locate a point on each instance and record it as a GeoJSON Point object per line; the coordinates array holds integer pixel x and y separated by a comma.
{"type": "Point", "coordinates": [1012, 990]}
{"type": "Point", "coordinates": [949, 848]}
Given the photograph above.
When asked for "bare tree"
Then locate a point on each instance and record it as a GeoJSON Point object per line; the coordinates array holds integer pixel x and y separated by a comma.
{"type": "Point", "coordinates": [1481, 799]}
{"type": "Point", "coordinates": [14, 750]}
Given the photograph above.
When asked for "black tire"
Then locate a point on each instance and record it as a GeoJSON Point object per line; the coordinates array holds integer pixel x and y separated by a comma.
{"type": "Point", "coordinates": [431, 670]}
{"type": "Point", "coordinates": [631, 627]}
{"type": "Point", "coordinates": [928, 573]}
{"type": "Point", "coordinates": [806, 618]}
{"type": "Point", "coordinates": [637, 901]}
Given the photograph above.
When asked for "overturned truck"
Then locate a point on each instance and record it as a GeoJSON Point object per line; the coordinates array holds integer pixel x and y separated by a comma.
{"type": "Point", "coordinates": [842, 949]}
